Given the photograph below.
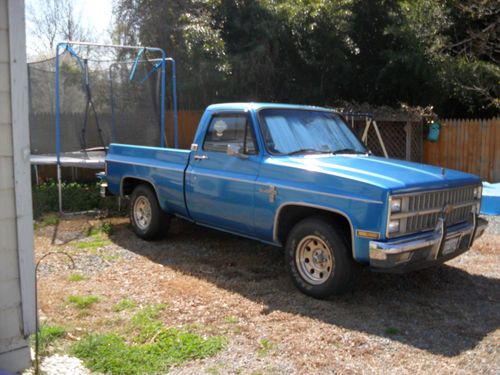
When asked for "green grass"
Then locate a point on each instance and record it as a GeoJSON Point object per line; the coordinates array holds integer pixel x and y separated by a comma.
{"type": "Point", "coordinates": [391, 331]}
{"type": "Point", "coordinates": [231, 319]}
{"type": "Point", "coordinates": [265, 346]}
{"type": "Point", "coordinates": [151, 349]}
{"type": "Point", "coordinates": [124, 304]}
{"type": "Point", "coordinates": [103, 228]}
{"type": "Point", "coordinates": [110, 258]}
{"type": "Point", "coordinates": [215, 370]}
{"type": "Point", "coordinates": [94, 243]}
{"type": "Point", "coordinates": [47, 335]}
{"type": "Point", "coordinates": [46, 220]}
{"type": "Point", "coordinates": [145, 323]}
{"type": "Point", "coordinates": [76, 277]}
{"type": "Point", "coordinates": [83, 302]}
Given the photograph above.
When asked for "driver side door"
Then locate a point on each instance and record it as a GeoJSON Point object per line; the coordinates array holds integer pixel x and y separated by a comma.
{"type": "Point", "coordinates": [220, 187]}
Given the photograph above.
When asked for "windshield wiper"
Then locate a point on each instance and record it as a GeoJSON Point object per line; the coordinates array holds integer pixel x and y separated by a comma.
{"type": "Point", "coordinates": [307, 150]}
{"type": "Point", "coordinates": [347, 151]}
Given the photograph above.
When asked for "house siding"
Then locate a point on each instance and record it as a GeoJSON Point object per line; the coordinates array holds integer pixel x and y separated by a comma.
{"type": "Point", "coordinates": [14, 350]}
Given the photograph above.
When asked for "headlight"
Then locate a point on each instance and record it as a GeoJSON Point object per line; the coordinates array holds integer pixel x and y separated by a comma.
{"type": "Point", "coordinates": [478, 192]}
{"type": "Point", "coordinates": [393, 226]}
{"type": "Point", "coordinates": [395, 205]}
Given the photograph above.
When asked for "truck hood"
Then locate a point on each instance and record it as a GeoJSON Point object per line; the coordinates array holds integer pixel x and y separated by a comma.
{"type": "Point", "coordinates": [391, 174]}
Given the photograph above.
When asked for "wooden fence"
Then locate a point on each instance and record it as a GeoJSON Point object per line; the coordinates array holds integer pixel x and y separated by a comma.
{"type": "Point", "coordinates": [468, 145]}
{"type": "Point", "coordinates": [188, 124]}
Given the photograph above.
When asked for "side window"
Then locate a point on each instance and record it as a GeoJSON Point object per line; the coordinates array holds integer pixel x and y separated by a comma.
{"type": "Point", "coordinates": [235, 130]}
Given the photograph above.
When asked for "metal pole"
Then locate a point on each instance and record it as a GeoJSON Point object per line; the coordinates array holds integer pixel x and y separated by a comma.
{"type": "Point", "coordinates": [58, 108]}
{"type": "Point", "coordinates": [174, 92]}
{"type": "Point", "coordinates": [58, 132]}
{"type": "Point", "coordinates": [112, 102]}
{"type": "Point", "coordinates": [162, 104]}
{"type": "Point", "coordinates": [76, 43]}
{"type": "Point", "coordinates": [59, 188]}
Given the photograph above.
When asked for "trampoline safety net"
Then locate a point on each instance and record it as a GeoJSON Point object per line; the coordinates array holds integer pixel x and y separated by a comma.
{"type": "Point", "coordinates": [99, 102]}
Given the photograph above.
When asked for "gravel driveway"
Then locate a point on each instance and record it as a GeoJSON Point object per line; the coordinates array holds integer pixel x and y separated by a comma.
{"type": "Point", "coordinates": [442, 320]}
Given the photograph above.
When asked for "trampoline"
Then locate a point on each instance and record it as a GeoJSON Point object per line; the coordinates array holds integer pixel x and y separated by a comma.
{"type": "Point", "coordinates": [90, 95]}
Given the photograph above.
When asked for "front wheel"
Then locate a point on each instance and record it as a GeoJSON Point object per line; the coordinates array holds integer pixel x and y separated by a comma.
{"type": "Point", "coordinates": [148, 220]}
{"type": "Point", "coordinates": [319, 259]}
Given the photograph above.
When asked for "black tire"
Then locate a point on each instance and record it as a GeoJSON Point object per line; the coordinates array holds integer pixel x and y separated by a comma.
{"type": "Point", "coordinates": [151, 226]}
{"type": "Point", "coordinates": [328, 267]}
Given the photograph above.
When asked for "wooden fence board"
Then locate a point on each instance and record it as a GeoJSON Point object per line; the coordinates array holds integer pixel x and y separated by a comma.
{"type": "Point", "coordinates": [469, 145]}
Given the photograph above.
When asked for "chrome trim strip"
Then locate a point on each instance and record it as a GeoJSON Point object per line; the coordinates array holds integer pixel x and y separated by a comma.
{"type": "Point", "coordinates": [181, 169]}
{"type": "Point", "coordinates": [398, 195]}
{"type": "Point", "coordinates": [474, 224]}
{"type": "Point", "coordinates": [222, 177]}
{"type": "Point", "coordinates": [278, 211]}
{"type": "Point", "coordinates": [285, 187]}
{"type": "Point", "coordinates": [402, 215]}
{"type": "Point", "coordinates": [328, 194]}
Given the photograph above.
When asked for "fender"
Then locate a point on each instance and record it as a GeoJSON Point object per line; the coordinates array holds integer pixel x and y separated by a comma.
{"type": "Point", "coordinates": [140, 179]}
{"type": "Point", "coordinates": [325, 208]}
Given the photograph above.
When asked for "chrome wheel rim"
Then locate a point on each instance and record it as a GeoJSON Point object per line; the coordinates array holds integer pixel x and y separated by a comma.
{"type": "Point", "coordinates": [314, 260]}
{"type": "Point", "coordinates": [142, 212]}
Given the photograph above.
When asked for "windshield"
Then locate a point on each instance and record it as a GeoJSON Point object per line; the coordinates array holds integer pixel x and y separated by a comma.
{"type": "Point", "coordinates": [295, 131]}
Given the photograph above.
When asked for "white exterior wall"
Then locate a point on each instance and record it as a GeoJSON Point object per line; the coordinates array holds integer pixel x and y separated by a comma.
{"type": "Point", "coordinates": [17, 300]}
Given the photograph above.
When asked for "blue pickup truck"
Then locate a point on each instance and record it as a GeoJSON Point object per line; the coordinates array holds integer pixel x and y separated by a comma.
{"type": "Point", "coordinates": [298, 177]}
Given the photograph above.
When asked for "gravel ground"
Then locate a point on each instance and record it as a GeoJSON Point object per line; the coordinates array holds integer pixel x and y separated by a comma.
{"type": "Point", "coordinates": [493, 224]}
{"type": "Point", "coordinates": [441, 320]}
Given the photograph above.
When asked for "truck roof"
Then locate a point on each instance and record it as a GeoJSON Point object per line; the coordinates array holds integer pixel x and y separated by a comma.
{"type": "Point", "coordinates": [259, 105]}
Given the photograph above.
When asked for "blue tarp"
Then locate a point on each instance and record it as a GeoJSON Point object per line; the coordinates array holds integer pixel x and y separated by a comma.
{"type": "Point", "coordinates": [491, 199]}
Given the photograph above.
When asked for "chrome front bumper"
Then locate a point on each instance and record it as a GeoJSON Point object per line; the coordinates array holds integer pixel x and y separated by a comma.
{"type": "Point", "coordinates": [426, 249]}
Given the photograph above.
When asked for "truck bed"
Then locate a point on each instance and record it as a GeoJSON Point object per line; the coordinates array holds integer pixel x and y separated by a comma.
{"type": "Point", "coordinates": [162, 167]}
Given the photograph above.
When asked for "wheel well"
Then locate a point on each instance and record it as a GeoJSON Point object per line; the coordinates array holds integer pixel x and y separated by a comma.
{"type": "Point", "coordinates": [292, 214]}
{"type": "Point", "coordinates": [130, 183]}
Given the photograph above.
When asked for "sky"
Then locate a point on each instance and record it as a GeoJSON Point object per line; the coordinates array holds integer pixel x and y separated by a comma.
{"type": "Point", "coordinates": [95, 14]}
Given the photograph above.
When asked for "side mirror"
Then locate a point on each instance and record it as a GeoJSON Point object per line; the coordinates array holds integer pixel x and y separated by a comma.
{"type": "Point", "coordinates": [232, 152]}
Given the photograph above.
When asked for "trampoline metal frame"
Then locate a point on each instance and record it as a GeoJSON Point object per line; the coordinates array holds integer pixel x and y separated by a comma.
{"type": "Point", "coordinates": [66, 46]}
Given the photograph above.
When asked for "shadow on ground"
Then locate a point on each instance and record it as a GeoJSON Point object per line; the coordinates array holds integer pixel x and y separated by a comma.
{"type": "Point", "coordinates": [442, 310]}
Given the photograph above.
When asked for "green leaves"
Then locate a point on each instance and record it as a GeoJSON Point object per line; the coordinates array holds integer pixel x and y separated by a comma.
{"type": "Point", "coordinates": [384, 52]}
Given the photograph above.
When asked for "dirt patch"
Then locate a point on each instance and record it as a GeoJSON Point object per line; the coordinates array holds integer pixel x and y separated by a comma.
{"type": "Point", "coordinates": [441, 320]}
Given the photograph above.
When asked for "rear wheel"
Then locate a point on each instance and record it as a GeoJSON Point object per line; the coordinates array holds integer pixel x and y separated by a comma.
{"type": "Point", "coordinates": [319, 259]}
{"type": "Point", "coordinates": [148, 220]}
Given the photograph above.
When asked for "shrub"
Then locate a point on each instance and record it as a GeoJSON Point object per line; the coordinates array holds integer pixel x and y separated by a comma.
{"type": "Point", "coordinates": [76, 197]}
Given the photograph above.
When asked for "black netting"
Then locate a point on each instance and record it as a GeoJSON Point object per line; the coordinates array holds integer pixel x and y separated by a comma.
{"type": "Point", "coordinates": [111, 108]}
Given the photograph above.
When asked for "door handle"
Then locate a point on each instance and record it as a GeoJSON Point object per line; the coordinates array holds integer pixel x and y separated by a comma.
{"type": "Point", "coordinates": [200, 157]}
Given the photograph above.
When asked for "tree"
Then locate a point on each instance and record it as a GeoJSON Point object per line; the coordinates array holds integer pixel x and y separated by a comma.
{"type": "Point", "coordinates": [51, 21]}
{"type": "Point", "coordinates": [460, 45]}
{"type": "Point", "coordinates": [385, 52]}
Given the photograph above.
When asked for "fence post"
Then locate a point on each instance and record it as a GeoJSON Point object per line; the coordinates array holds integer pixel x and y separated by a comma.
{"type": "Point", "coordinates": [408, 134]}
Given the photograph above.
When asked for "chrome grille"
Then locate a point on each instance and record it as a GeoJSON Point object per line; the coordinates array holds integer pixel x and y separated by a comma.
{"type": "Point", "coordinates": [421, 211]}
